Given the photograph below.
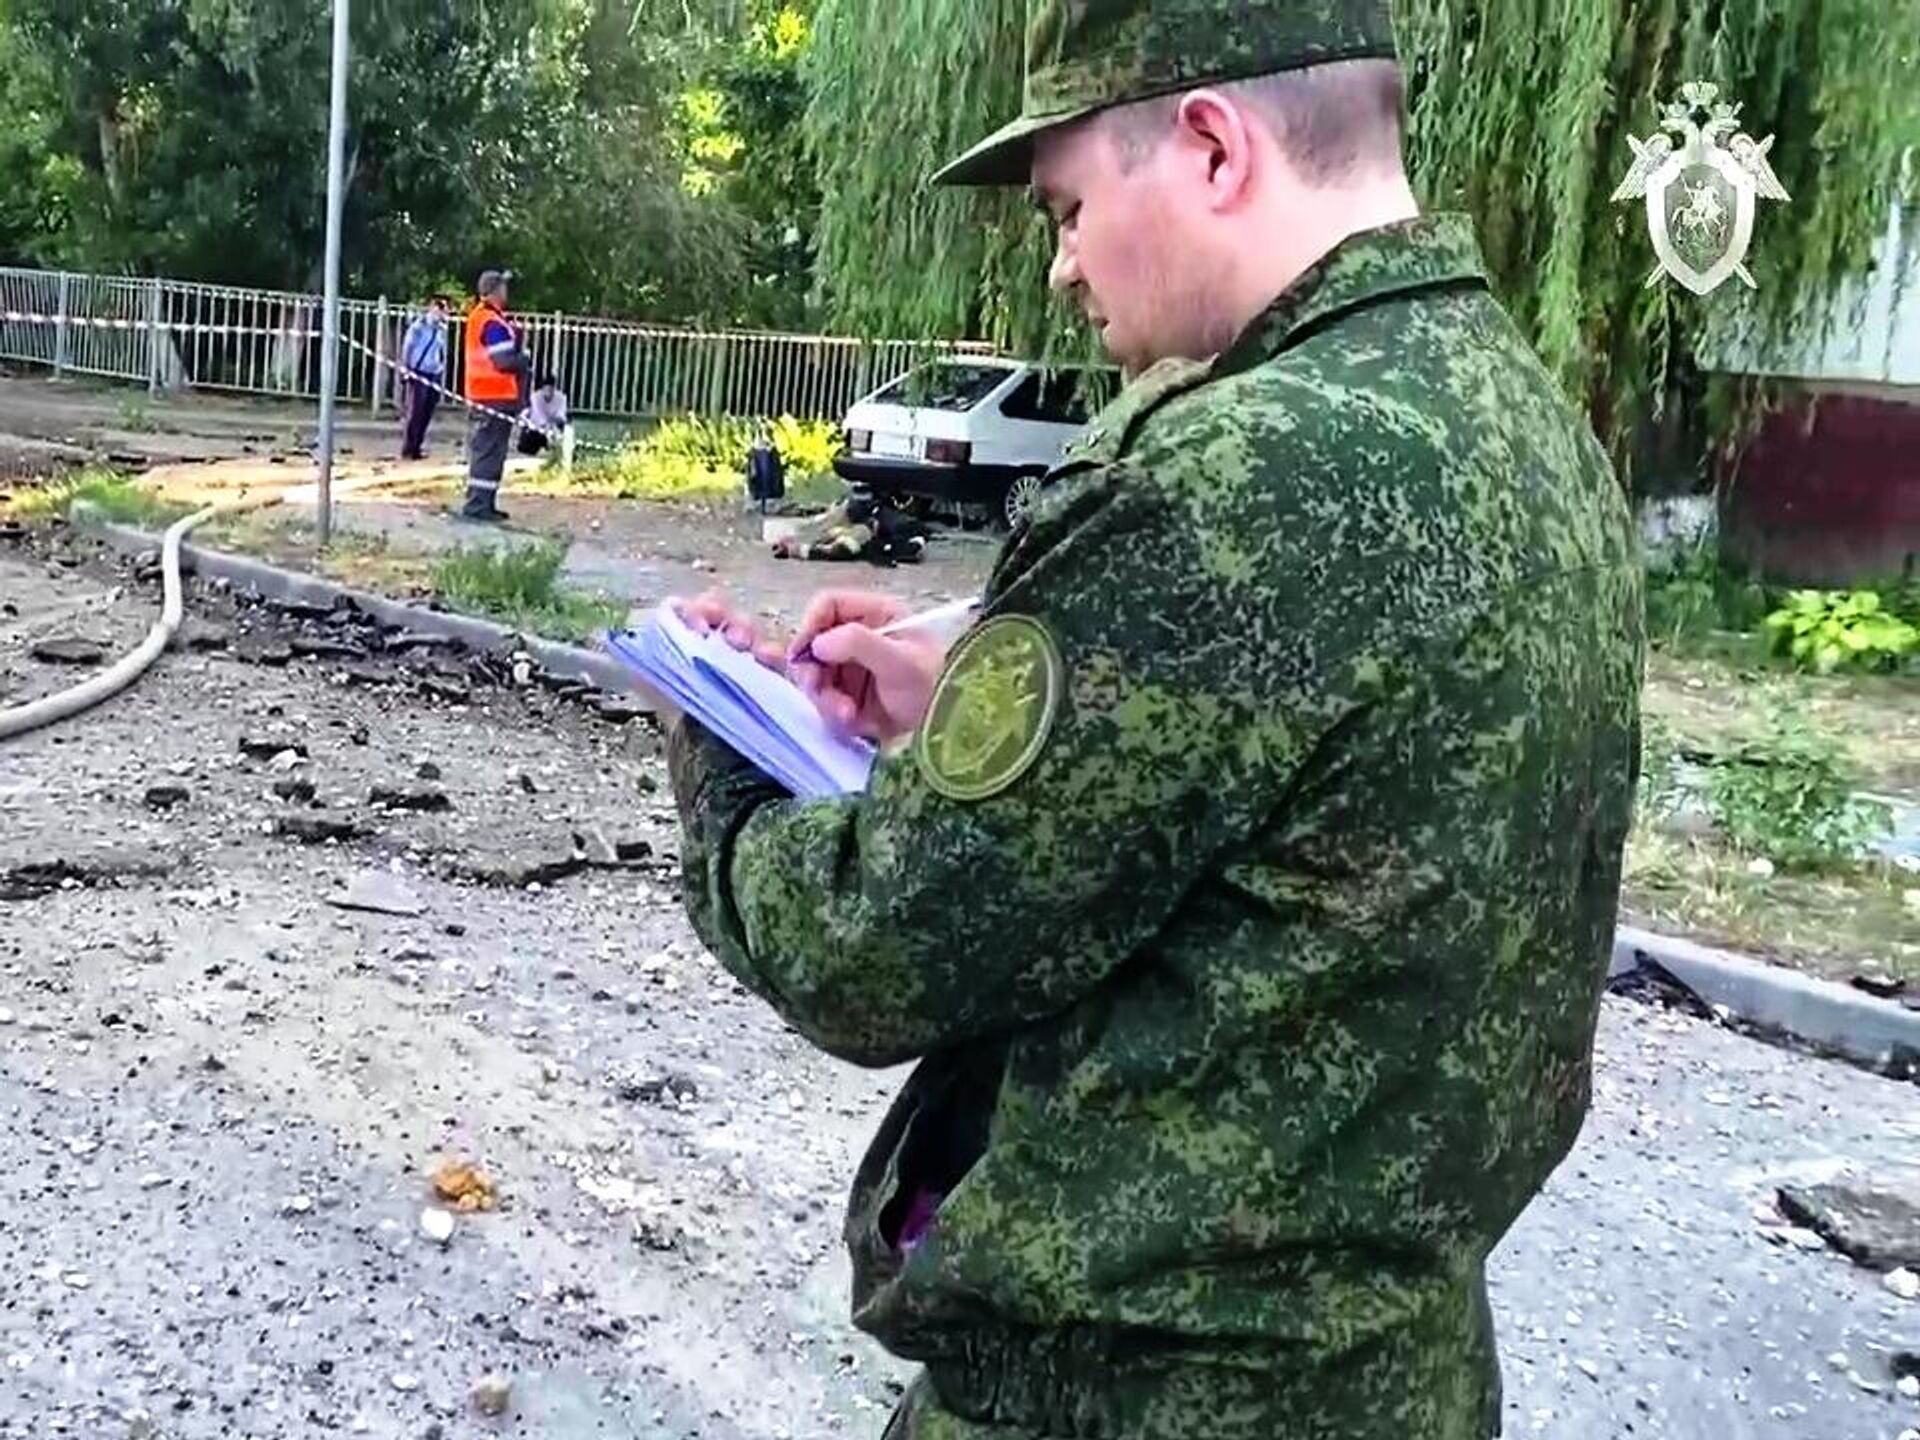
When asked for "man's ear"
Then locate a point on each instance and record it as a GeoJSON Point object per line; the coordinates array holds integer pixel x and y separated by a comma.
{"type": "Point", "coordinates": [1214, 134]}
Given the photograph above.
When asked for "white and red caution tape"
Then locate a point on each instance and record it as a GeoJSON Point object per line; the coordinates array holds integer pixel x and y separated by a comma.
{"type": "Point", "coordinates": [184, 327]}
{"type": "Point", "coordinates": [169, 327]}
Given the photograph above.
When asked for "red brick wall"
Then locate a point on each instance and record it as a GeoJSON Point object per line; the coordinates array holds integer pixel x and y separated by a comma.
{"type": "Point", "coordinates": [1828, 493]}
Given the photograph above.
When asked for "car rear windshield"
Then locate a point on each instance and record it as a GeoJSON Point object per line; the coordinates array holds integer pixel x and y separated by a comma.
{"type": "Point", "coordinates": [953, 387]}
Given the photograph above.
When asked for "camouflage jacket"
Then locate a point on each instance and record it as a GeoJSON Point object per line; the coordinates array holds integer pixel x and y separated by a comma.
{"type": "Point", "coordinates": [1255, 966]}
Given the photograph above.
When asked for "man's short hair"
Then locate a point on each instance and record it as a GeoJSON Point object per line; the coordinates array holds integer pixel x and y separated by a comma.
{"type": "Point", "coordinates": [1334, 121]}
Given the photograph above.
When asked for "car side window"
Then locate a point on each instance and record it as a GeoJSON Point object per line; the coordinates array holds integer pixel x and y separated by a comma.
{"type": "Point", "coordinates": [1023, 401]}
{"type": "Point", "coordinates": [1054, 399]}
{"type": "Point", "coordinates": [1063, 397]}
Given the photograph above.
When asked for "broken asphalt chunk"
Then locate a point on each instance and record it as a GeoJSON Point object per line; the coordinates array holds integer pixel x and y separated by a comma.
{"type": "Point", "coordinates": [378, 893]}
{"type": "Point", "coordinates": [1874, 1223]}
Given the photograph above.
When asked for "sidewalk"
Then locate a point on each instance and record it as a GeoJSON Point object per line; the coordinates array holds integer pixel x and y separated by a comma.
{"type": "Point", "coordinates": [639, 552]}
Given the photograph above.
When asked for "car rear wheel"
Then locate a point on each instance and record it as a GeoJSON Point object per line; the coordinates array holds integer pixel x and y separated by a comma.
{"type": "Point", "coordinates": [1021, 497]}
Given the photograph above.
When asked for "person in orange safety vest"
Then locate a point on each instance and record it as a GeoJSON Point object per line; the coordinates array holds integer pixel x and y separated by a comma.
{"type": "Point", "coordinates": [496, 378]}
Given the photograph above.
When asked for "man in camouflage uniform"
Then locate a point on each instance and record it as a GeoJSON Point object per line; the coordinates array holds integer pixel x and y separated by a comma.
{"type": "Point", "coordinates": [1244, 881]}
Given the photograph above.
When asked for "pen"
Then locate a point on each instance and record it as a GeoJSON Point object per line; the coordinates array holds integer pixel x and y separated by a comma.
{"type": "Point", "coordinates": [934, 616]}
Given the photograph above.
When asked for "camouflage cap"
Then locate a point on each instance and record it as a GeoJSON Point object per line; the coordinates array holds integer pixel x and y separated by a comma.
{"type": "Point", "coordinates": [1084, 56]}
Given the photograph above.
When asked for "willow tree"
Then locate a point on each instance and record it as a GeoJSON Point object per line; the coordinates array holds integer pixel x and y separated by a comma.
{"type": "Point", "coordinates": [1519, 113]}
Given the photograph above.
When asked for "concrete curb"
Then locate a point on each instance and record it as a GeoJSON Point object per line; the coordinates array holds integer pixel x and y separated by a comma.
{"type": "Point", "coordinates": [1880, 1034]}
{"type": "Point", "coordinates": [270, 582]}
{"type": "Point", "coordinates": [1877, 1033]}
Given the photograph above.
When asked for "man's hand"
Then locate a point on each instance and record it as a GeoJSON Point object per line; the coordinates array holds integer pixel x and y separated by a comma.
{"type": "Point", "coordinates": [878, 686]}
{"type": "Point", "coordinates": [713, 614]}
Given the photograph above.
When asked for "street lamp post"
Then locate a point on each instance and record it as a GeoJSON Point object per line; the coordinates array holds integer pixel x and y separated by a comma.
{"type": "Point", "coordinates": [330, 321]}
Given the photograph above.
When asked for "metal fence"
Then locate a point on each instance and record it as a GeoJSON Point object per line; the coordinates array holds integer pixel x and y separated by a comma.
{"type": "Point", "coordinates": [170, 334]}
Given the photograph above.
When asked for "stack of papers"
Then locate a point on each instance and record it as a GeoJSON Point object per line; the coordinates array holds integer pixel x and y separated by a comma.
{"type": "Point", "coordinates": [758, 712]}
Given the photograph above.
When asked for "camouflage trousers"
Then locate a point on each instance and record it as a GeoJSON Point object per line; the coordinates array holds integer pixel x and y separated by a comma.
{"type": "Point", "coordinates": [921, 1416]}
{"type": "Point", "coordinates": [1199, 1413]}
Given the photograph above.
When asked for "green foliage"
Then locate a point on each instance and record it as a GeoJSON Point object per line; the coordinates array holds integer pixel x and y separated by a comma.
{"type": "Point", "coordinates": [143, 135]}
{"type": "Point", "coordinates": [695, 458]}
{"type": "Point", "coordinates": [520, 584]}
{"type": "Point", "coordinates": [1519, 113]}
{"type": "Point", "coordinates": [742, 142]}
{"type": "Point", "coordinates": [133, 412]}
{"type": "Point", "coordinates": [1691, 593]}
{"type": "Point", "coordinates": [1828, 630]}
{"type": "Point", "coordinates": [1660, 790]}
{"type": "Point", "coordinates": [1789, 796]}
{"type": "Point", "coordinates": [711, 148]}
{"type": "Point", "coordinates": [117, 498]}
{"type": "Point", "coordinates": [1903, 598]}
{"type": "Point", "coordinates": [896, 90]}
{"type": "Point", "coordinates": [807, 447]}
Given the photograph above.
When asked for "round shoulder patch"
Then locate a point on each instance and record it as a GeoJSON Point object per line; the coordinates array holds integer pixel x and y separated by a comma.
{"type": "Point", "coordinates": [992, 709]}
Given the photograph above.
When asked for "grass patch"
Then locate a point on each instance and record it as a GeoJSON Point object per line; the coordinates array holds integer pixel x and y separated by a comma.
{"type": "Point", "coordinates": [1751, 821]}
{"type": "Point", "coordinates": [119, 499]}
{"type": "Point", "coordinates": [134, 413]}
{"type": "Point", "coordinates": [520, 584]}
{"type": "Point", "coordinates": [1719, 702]}
{"type": "Point", "coordinates": [1833, 923]}
{"type": "Point", "coordinates": [366, 562]}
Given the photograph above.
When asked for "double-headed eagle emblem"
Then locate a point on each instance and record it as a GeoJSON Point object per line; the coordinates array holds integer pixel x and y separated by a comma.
{"type": "Point", "coordinates": [1701, 177]}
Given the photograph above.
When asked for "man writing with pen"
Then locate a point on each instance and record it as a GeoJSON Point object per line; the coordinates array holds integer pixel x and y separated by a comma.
{"type": "Point", "coordinates": [1243, 879]}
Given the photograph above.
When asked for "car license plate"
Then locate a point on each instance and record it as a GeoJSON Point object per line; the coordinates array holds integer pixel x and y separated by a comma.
{"type": "Point", "coordinates": [892, 445]}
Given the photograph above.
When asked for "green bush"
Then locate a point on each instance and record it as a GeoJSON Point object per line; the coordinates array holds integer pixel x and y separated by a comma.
{"type": "Point", "coordinates": [1828, 630]}
{"type": "Point", "coordinates": [807, 446]}
{"type": "Point", "coordinates": [1904, 599]}
{"type": "Point", "coordinates": [1691, 593]}
{"type": "Point", "coordinates": [520, 584]}
{"type": "Point", "coordinates": [1789, 795]}
{"type": "Point", "coordinates": [693, 458]}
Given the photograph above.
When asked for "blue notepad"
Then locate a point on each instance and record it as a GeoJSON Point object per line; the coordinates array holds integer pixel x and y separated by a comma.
{"type": "Point", "coordinates": [758, 712]}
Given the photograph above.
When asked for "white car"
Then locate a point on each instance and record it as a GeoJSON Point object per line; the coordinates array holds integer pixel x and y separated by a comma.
{"type": "Point", "coordinates": [972, 433]}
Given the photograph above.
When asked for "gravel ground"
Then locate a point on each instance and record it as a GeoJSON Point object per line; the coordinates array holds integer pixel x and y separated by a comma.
{"type": "Point", "coordinates": [222, 1096]}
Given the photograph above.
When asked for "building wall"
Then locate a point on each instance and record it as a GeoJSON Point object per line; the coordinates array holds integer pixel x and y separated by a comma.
{"type": "Point", "coordinates": [1828, 493]}
{"type": "Point", "coordinates": [1872, 332]}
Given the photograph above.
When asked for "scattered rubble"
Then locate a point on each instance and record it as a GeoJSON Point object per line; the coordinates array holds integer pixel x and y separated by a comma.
{"type": "Point", "coordinates": [423, 800]}
{"type": "Point", "coordinates": [86, 870]}
{"type": "Point", "coordinates": [268, 747]}
{"type": "Point", "coordinates": [68, 650]}
{"type": "Point", "coordinates": [647, 1088]}
{"type": "Point", "coordinates": [320, 829]}
{"type": "Point", "coordinates": [1875, 1223]}
{"type": "Point", "coordinates": [380, 893]}
{"type": "Point", "coordinates": [464, 1185]}
{"type": "Point", "coordinates": [492, 1394]}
